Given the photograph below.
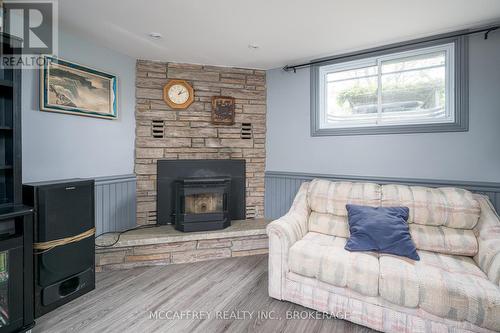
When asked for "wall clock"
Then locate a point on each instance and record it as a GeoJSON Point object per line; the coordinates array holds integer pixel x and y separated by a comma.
{"type": "Point", "coordinates": [178, 94]}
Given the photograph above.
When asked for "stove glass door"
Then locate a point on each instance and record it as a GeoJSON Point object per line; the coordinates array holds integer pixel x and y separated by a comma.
{"type": "Point", "coordinates": [202, 203]}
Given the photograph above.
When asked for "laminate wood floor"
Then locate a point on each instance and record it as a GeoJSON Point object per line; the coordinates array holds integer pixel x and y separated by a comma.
{"type": "Point", "coordinates": [228, 295]}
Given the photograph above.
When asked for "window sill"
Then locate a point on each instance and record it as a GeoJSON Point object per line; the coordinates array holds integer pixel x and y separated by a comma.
{"type": "Point", "coordinates": [460, 126]}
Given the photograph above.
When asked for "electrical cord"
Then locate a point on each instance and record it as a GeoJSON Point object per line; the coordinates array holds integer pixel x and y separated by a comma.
{"type": "Point", "coordinates": [120, 233]}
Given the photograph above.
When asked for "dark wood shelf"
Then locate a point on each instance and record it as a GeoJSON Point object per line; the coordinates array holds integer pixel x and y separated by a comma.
{"type": "Point", "coordinates": [4, 202]}
{"type": "Point", "coordinates": [5, 128]}
{"type": "Point", "coordinates": [6, 83]}
{"type": "Point", "coordinates": [5, 167]}
{"type": "Point", "coordinates": [12, 211]}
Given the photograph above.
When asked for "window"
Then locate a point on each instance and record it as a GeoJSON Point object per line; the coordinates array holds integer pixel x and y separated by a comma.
{"type": "Point", "coordinates": [403, 91]}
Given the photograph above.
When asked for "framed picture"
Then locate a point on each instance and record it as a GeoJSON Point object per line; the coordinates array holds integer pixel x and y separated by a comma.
{"type": "Point", "coordinates": [222, 110]}
{"type": "Point", "coordinates": [71, 88]}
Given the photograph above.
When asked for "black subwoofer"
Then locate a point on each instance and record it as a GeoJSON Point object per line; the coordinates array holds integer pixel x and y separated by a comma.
{"type": "Point", "coordinates": [62, 209]}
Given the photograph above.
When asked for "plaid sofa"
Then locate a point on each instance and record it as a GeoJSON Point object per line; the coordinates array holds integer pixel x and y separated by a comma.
{"type": "Point", "coordinates": [455, 287]}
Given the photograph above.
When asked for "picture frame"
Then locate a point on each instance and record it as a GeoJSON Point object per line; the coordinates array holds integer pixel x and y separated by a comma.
{"type": "Point", "coordinates": [223, 110]}
{"type": "Point", "coordinates": [67, 87]}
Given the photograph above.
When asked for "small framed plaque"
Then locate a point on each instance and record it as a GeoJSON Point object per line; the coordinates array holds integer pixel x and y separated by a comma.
{"type": "Point", "coordinates": [223, 110]}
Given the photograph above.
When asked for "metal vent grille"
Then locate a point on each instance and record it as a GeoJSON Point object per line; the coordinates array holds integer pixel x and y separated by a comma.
{"type": "Point", "coordinates": [158, 128]}
{"type": "Point", "coordinates": [246, 131]}
{"type": "Point", "coordinates": [151, 217]}
{"type": "Point", "coordinates": [251, 212]}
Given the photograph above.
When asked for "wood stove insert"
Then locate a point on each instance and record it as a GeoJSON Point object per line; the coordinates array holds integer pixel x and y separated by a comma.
{"type": "Point", "coordinates": [205, 176]}
{"type": "Point", "coordinates": [201, 203]}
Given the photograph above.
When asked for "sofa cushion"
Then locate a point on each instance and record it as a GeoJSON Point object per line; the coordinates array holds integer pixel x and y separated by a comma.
{"type": "Point", "coordinates": [444, 240]}
{"type": "Point", "coordinates": [446, 206]}
{"type": "Point", "coordinates": [398, 282]}
{"type": "Point", "coordinates": [329, 224]}
{"type": "Point", "coordinates": [447, 286]}
{"type": "Point", "coordinates": [331, 197]}
{"type": "Point", "coordinates": [380, 229]}
{"type": "Point", "coordinates": [324, 257]}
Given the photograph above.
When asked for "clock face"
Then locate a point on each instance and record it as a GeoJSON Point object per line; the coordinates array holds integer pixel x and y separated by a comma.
{"type": "Point", "coordinates": [178, 94]}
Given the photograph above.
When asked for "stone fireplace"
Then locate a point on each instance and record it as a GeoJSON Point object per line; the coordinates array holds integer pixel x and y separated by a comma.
{"type": "Point", "coordinates": [164, 133]}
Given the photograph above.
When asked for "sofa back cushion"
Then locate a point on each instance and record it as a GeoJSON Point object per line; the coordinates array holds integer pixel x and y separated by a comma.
{"type": "Point", "coordinates": [441, 219]}
{"type": "Point", "coordinates": [331, 197]}
{"type": "Point", "coordinates": [460, 242]}
{"type": "Point", "coordinates": [445, 206]}
{"type": "Point", "coordinates": [329, 224]}
{"type": "Point", "coordinates": [328, 201]}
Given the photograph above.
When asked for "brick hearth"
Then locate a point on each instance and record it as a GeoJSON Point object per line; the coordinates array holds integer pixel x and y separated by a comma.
{"type": "Point", "coordinates": [163, 245]}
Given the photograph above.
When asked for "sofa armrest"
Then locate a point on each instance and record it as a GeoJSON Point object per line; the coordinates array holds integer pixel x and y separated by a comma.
{"type": "Point", "coordinates": [283, 233]}
{"type": "Point", "coordinates": [487, 232]}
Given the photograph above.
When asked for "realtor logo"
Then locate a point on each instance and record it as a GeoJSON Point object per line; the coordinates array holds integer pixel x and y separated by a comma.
{"type": "Point", "coordinates": [35, 23]}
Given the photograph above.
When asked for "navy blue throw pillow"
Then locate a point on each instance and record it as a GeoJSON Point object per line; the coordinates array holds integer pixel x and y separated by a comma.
{"type": "Point", "coordinates": [380, 229]}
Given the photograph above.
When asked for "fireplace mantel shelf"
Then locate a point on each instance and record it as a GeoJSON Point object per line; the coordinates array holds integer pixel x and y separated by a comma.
{"type": "Point", "coordinates": [168, 234]}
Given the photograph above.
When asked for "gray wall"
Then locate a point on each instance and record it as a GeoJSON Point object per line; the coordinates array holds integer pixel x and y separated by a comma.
{"type": "Point", "coordinates": [469, 156]}
{"type": "Point", "coordinates": [57, 146]}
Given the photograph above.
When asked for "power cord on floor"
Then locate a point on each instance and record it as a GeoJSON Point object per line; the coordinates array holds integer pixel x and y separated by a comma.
{"type": "Point", "coordinates": [120, 233]}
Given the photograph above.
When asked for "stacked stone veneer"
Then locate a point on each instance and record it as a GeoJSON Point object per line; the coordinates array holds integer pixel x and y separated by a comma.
{"type": "Point", "coordinates": [164, 133]}
{"type": "Point", "coordinates": [179, 252]}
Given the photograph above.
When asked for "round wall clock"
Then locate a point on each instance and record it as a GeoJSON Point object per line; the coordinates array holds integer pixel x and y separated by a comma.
{"type": "Point", "coordinates": [178, 94]}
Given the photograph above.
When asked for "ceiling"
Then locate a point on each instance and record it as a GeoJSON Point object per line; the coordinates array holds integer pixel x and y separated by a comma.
{"type": "Point", "coordinates": [218, 32]}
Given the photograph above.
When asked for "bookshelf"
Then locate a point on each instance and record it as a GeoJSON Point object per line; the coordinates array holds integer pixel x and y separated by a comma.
{"type": "Point", "coordinates": [10, 132]}
{"type": "Point", "coordinates": [16, 220]}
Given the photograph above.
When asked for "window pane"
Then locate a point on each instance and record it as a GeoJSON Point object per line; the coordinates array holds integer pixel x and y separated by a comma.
{"type": "Point", "coordinates": [416, 91]}
{"type": "Point", "coordinates": [352, 96]}
{"type": "Point", "coordinates": [414, 62]}
{"type": "Point", "coordinates": [353, 73]}
{"type": "Point", "coordinates": [409, 87]}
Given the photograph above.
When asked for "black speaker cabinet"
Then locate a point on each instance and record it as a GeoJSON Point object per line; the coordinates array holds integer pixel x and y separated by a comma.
{"type": "Point", "coordinates": [62, 209]}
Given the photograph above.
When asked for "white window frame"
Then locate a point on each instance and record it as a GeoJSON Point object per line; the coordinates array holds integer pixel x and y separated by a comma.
{"type": "Point", "coordinates": [456, 108]}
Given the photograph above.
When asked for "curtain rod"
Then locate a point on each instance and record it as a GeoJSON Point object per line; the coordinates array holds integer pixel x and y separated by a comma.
{"type": "Point", "coordinates": [486, 31]}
